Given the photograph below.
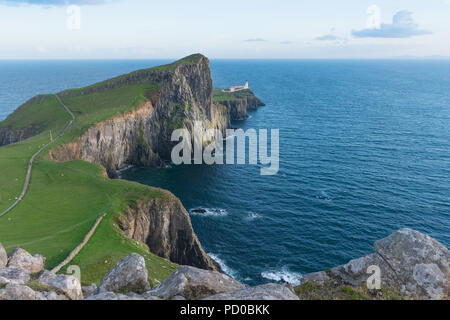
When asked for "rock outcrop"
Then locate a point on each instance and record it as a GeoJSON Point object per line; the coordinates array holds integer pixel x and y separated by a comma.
{"type": "Point", "coordinates": [14, 276]}
{"type": "Point", "coordinates": [16, 282]}
{"type": "Point", "coordinates": [194, 283]}
{"type": "Point", "coordinates": [238, 103]}
{"type": "Point", "coordinates": [409, 261]}
{"type": "Point", "coordinates": [19, 292]}
{"type": "Point", "coordinates": [67, 285]}
{"type": "Point", "coordinates": [21, 259]}
{"type": "Point", "coordinates": [269, 291]}
{"type": "Point", "coordinates": [165, 226]}
{"type": "Point", "coordinates": [129, 274]}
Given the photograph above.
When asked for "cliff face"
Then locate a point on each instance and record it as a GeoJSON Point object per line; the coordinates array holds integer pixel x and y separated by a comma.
{"type": "Point", "coordinates": [238, 103]}
{"type": "Point", "coordinates": [164, 225]}
{"type": "Point", "coordinates": [142, 137]}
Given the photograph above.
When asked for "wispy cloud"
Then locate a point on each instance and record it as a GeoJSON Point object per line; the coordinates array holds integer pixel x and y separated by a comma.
{"type": "Point", "coordinates": [286, 42]}
{"type": "Point", "coordinates": [255, 40]}
{"type": "Point", "coordinates": [54, 2]}
{"type": "Point", "coordinates": [327, 37]}
{"type": "Point", "coordinates": [402, 26]}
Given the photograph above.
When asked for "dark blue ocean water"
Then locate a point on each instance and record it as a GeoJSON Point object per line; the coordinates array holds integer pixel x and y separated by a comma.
{"type": "Point", "coordinates": [364, 150]}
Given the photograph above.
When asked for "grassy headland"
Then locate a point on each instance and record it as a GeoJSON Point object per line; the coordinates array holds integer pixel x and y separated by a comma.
{"type": "Point", "coordinates": [65, 198]}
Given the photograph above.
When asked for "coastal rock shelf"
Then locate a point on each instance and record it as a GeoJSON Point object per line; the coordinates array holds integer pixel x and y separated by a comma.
{"type": "Point", "coordinates": [237, 102]}
{"type": "Point", "coordinates": [412, 263]}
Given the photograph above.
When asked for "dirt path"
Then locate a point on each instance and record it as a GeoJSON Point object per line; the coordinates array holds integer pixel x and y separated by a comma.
{"type": "Point", "coordinates": [30, 164]}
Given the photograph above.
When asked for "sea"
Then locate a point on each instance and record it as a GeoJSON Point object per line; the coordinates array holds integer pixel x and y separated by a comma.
{"type": "Point", "coordinates": [364, 150]}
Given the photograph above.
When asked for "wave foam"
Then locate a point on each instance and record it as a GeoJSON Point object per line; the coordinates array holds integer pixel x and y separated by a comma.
{"type": "Point", "coordinates": [222, 265]}
{"type": "Point", "coordinates": [253, 216]}
{"type": "Point", "coordinates": [324, 196]}
{"type": "Point", "coordinates": [208, 212]}
{"type": "Point", "coordinates": [283, 276]}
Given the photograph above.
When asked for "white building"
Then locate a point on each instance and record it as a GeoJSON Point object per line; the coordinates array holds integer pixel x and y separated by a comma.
{"type": "Point", "coordinates": [238, 88]}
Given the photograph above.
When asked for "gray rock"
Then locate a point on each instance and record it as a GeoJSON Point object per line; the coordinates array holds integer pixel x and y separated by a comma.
{"type": "Point", "coordinates": [270, 291]}
{"type": "Point", "coordinates": [178, 298]}
{"type": "Point", "coordinates": [319, 277]}
{"type": "Point", "coordinates": [142, 297]}
{"type": "Point", "coordinates": [52, 295]}
{"type": "Point", "coordinates": [89, 289]}
{"type": "Point", "coordinates": [409, 261]}
{"type": "Point", "coordinates": [19, 258]}
{"type": "Point", "coordinates": [355, 271]}
{"type": "Point", "coordinates": [110, 296]}
{"type": "Point", "coordinates": [431, 279]}
{"type": "Point", "coordinates": [119, 296]}
{"type": "Point", "coordinates": [420, 262]}
{"type": "Point", "coordinates": [18, 292]}
{"type": "Point", "coordinates": [68, 285]}
{"type": "Point", "coordinates": [14, 276]}
{"type": "Point", "coordinates": [3, 256]}
{"type": "Point", "coordinates": [192, 283]}
{"type": "Point", "coordinates": [129, 274]}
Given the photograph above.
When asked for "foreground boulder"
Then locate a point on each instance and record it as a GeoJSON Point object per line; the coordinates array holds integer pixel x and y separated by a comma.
{"type": "Point", "coordinates": [23, 292]}
{"type": "Point", "coordinates": [269, 291]}
{"type": "Point", "coordinates": [129, 274]}
{"type": "Point", "coordinates": [3, 256]}
{"type": "Point", "coordinates": [14, 276]}
{"type": "Point", "coordinates": [65, 284]}
{"type": "Point", "coordinates": [119, 296]}
{"type": "Point", "coordinates": [194, 283]}
{"type": "Point", "coordinates": [18, 292]}
{"type": "Point", "coordinates": [21, 259]}
{"type": "Point", "coordinates": [409, 261]}
{"type": "Point", "coordinates": [110, 296]}
{"type": "Point", "coordinates": [422, 263]}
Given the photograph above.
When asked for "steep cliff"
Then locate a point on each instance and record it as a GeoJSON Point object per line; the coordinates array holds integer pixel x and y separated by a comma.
{"type": "Point", "coordinates": [128, 120]}
{"type": "Point", "coordinates": [238, 102]}
{"type": "Point", "coordinates": [181, 94]}
{"type": "Point", "coordinates": [164, 225]}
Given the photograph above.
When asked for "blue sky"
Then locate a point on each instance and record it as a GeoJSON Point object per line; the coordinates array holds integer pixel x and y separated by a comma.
{"type": "Point", "coordinates": [117, 29]}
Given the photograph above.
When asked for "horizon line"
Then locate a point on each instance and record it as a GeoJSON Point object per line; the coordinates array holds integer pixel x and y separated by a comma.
{"type": "Point", "coordinates": [256, 59]}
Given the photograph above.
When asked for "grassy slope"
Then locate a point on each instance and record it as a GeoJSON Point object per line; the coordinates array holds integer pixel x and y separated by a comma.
{"type": "Point", "coordinates": [14, 158]}
{"type": "Point", "coordinates": [64, 199]}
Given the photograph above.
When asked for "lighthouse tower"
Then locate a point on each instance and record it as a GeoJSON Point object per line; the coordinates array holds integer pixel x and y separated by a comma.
{"type": "Point", "coordinates": [246, 85]}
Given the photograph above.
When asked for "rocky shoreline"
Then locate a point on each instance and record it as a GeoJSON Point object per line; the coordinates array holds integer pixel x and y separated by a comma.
{"type": "Point", "coordinates": [411, 263]}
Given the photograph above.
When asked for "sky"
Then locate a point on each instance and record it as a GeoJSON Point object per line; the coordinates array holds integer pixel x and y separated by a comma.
{"type": "Point", "coordinates": [262, 29]}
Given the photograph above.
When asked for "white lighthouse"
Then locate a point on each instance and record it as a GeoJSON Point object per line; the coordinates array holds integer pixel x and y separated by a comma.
{"type": "Point", "coordinates": [237, 88]}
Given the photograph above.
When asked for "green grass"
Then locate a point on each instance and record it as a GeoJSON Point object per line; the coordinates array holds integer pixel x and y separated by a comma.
{"type": "Point", "coordinates": [98, 106]}
{"type": "Point", "coordinates": [219, 95]}
{"type": "Point", "coordinates": [42, 113]}
{"type": "Point", "coordinates": [65, 198]}
{"type": "Point", "coordinates": [63, 202]}
{"type": "Point", "coordinates": [14, 158]}
{"type": "Point", "coordinates": [189, 60]}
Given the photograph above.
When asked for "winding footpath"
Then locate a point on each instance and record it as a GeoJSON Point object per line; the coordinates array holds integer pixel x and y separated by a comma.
{"type": "Point", "coordinates": [30, 164]}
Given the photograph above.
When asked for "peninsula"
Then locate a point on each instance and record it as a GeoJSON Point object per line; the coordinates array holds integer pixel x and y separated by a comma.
{"type": "Point", "coordinates": [61, 206]}
{"type": "Point", "coordinates": [98, 130]}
